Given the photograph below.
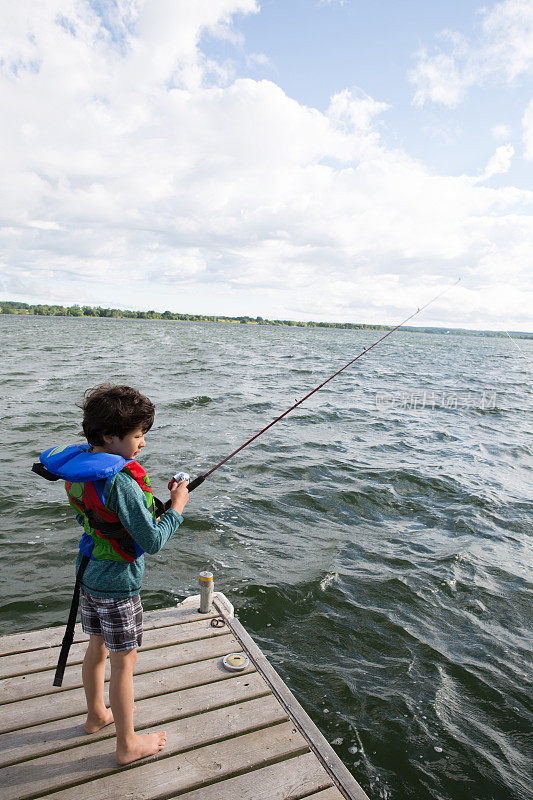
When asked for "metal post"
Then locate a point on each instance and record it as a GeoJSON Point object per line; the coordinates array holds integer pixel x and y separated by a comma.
{"type": "Point", "coordinates": [206, 592]}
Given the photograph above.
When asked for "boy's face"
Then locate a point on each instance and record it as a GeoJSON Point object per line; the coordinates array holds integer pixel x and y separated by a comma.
{"type": "Point", "coordinates": [129, 447]}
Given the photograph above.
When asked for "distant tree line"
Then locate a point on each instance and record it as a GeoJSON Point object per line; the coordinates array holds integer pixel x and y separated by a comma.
{"type": "Point", "coordinates": [43, 310]}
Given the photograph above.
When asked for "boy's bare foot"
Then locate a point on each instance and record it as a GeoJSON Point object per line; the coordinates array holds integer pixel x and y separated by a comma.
{"type": "Point", "coordinates": [93, 724]}
{"type": "Point", "coordinates": [140, 747]}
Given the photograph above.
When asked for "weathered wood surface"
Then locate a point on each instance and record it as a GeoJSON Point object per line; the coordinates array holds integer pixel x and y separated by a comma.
{"type": "Point", "coordinates": [63, 734]}
{"type": "Point", "coordinates": [23, 663]}
{"type": "Point", "coordinates": [52, 637]}
{"type": "Point", "coordinates": [326, 794]}
{"type": "Point", "coordinates": [194, 768]}
{"type": "Point", "coordinates": [286, 780]}
{"type": "Point", "coordinates": [44, 775]}
{"type": "Point", "coordinates": [40, 709]}
{"type": "Point", "coordinates": [22, 687]}
{"type": "Point", "coordinates": [229, 734]}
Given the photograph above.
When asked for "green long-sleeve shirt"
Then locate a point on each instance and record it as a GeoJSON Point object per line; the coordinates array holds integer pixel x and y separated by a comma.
{"type": "Point", "coordinates": [124, 578]}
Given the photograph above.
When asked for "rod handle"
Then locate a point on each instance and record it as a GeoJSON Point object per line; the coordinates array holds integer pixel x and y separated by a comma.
{"type": "Point", "coordinates": [196, 482]}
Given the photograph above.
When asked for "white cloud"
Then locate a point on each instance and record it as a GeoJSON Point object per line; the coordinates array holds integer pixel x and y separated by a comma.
{"type": "Point", "coordinates": [135, 175]}
{"type": "Point", "coordinates": [499, 162]}
{"type": "Point", "coordinates": [503, 52]}
{"type": "Point", "coordinates": [358, 112]}
{"type": "Point", "coordinates": [438, 78]}
{"type": "Point", "coordinates": [258, 60]}
{"type": "Point", "coordinates": [501, 132]}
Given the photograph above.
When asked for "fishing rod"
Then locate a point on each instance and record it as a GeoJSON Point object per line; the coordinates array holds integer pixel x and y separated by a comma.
{"type": "Point", "coordinates": [201, 478]}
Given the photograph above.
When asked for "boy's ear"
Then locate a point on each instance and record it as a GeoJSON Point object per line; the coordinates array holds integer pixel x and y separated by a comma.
{"type": "Point", "coordinates": [108, 438]}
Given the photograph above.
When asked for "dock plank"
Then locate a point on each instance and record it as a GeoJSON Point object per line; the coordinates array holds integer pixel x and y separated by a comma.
{"type": "Point", "coordinates": [96, 760]}
{"type": "Point", "coordinates": [52, 737]}
{"type": "Point", "coordinates": [46, 658]}
{"type": "Point", "coordinates": [287, 780]}
{"type": "Point", "coordinates": [41, 683]}
{"type": "Point", "coordinates": [161, 777]}
{"type": "Point", "coordinates": [52, 637]}
{"type": "Point", "coordinates": [327, 794]}
{"type": "Point", "coordinates": [36, 710]}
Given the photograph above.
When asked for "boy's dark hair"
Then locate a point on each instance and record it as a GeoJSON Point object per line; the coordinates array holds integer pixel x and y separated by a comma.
{"type": "Point", "coordinates": [115, 411]}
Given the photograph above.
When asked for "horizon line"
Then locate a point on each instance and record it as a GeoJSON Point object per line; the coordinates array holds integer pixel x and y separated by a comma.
{"type": "Point", "coordinates": [28, 309]}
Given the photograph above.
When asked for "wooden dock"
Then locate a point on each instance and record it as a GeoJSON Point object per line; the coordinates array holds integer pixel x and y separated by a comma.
{"type": "Point", "coordinates": [230, 734]}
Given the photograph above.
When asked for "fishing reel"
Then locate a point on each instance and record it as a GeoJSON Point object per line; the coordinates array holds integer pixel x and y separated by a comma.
{"type": "Point", "coordinates": [178, 478]}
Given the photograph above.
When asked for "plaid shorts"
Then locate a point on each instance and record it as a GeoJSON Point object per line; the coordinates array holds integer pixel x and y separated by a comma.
{"type": "Point", "coordinates": [119, 621]}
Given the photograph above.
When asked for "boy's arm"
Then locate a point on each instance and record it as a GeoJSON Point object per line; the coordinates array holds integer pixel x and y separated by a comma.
{"type": "Point", "coordinates": [128, 501]}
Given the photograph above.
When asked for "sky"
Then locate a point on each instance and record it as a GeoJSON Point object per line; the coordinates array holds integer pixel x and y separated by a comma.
{"type": "Point", "coordinates": [294, 159]}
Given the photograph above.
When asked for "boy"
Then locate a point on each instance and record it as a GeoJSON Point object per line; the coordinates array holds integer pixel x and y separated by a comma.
{"type": "Point", "coordinates": [112, 495]}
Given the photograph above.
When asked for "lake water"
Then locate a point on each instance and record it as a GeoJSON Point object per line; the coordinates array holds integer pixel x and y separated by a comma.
{"type": "Point", "coordinates": [376, 542]}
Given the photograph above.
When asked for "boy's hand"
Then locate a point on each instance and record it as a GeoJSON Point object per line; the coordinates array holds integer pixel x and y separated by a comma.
{"type": "Point", "coordinates": [179, 496]}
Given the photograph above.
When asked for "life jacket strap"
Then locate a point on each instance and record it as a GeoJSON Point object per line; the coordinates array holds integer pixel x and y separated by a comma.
{"type": "Point", "coordinates": [100, 524]}
{"type": "Point", "coordinates": [41, 470]}
{"type": "Point", "coordinates": [68, 638]}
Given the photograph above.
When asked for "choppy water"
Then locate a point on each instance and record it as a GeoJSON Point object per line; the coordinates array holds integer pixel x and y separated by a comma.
{"type": "Point", "coordinates": [375, 543]}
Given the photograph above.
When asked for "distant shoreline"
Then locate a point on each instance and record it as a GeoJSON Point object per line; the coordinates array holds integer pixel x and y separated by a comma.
{"type": "Point", "coordinates": [42, 310]}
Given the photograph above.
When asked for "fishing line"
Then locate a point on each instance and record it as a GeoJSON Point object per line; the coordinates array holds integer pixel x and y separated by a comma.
{"type": "Point", "coordinates": [201, 478]}
{"type": "Point", "coordinates": [518, 346]}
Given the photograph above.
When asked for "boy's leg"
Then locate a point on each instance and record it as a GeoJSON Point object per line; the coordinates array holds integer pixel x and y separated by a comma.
{"type": "Point", "coordinates": [130, 746]}
{"type": "Point", "coordinates": [93, 672]}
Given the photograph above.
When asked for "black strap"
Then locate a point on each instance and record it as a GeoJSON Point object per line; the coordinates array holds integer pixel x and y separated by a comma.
{"type": "Point", "coordinates": [98, 523]}
{"type": "Point", "coordinates": [68, 638]}
{"type": "Point", "coordinates": [41, 470]}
